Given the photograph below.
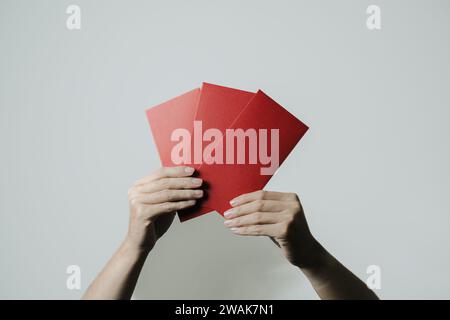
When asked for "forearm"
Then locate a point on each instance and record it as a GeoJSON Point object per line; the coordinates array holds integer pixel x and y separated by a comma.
{"type": "Point", "coordinates": [332, 280]}
{"type": "Point", "coordinates": [118, 278]}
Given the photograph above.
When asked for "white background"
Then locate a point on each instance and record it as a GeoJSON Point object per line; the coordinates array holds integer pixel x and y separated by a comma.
{"type": "Point", "coordinates": [372, 173]}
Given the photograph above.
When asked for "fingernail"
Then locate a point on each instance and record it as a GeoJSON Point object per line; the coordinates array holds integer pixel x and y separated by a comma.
{"type": "Point", "coordinates": [234, 229]}
{"type": "Point", "coordinates": [234, 202]}
{"type": "Point", "coordinates": [196, 181]}
{"type": "Point", "coordinates": [198, 192]}
{"type": "Point", "coordinates": [189, 170]}
{"type": "Point", "coordinates": [228, 213]}
{"type": "Point", "coordinates": [227, 222]}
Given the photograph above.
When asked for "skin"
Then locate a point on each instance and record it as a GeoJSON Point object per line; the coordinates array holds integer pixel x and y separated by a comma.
{"type": "Point", "coordinates": [154, 201]}
{"type": "Point", "coordinates": [281, 217]}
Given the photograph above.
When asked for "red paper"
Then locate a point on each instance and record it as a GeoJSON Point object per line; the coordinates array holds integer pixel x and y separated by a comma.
{"type": "Point", "coordinates": [166, 117]}
{"type": "Point", "coordinates": [220, 108]}
{"type": "Point", "coordinates": [227, 181]}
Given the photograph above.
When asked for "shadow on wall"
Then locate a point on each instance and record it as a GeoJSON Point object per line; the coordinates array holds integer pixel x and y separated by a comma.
{"type": "Point", "coordinates": [202, 259]}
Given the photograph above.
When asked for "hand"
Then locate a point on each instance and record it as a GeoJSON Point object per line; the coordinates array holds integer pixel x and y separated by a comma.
{"type": "Point", "coordinates": [277, 215]}
{"type": "Point", "coordinates": [155, 199]}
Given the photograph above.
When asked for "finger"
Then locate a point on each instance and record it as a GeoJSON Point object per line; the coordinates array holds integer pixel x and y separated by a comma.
{"type": "Point", "coordinates": [169, 183]}
{"type": "Point", "coordinates": [270, 230]}
{"type": "Point", "coordinates": [169, 196]}
{"type": "Point", "coordinates": [263, 195]}
{"type": "Point", "coordinates": [255, 218]}
{"type": "Point", "coordinates": [167, 172]}
{"type": "Point", "coordinates": [257, 205]}
{"type": "Point", "coordinates": [166, 207]}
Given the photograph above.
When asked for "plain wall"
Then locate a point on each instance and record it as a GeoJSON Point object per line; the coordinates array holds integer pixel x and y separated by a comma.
{"type": "Point", "coordinates": [372, 173]}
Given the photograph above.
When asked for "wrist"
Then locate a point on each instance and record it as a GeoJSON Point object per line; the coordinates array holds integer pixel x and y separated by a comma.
{"type": "Point", "coordinates": [130, 246]}
{"type": "Point", "coordinates": [314, 258]}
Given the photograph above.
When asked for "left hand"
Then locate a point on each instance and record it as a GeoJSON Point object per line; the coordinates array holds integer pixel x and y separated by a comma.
{"type": "Point", "coordinates": [278, 215]}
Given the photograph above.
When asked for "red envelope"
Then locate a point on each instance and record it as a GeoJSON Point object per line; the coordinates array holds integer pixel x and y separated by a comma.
{"type": "Point", "coordinates": [166, 117]}
{"type": "Point", "coordinates": [218, 107]}
{"type": "Point", "coordinates": [226, 181]}
{"type": "Point", "coordinates": [221, 108]}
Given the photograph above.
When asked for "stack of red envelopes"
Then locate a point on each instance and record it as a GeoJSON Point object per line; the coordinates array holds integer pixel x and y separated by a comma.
{"type": "Point", "coordinates": [234, 139]}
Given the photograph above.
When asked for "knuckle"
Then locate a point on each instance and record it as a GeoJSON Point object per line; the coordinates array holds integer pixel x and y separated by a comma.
{"type": "Point", "coordinates": [181, 204]}
{"type": "Point", "coordinates": [258, 217]}
{"type": "Point", "coordinates": [296, 206]}
{"type": "Point", "coordinates": [255, 230]}
{"type": "Point", "coordinates": [168, 195]}
{"type": "Point", "coordinates": [261, 194]}
{"type": "Point", "coordinates": [189, 193]}
{"type": "Point", "coordinates": [177, 206]}
{"type": "Point", "coordinates": [173, 171]}
{"type": "Point", "coordinates": [134, 202]}
{"type": "Point", "coordinates": [166, 207]}
{"type": "Point", "coordinates": [259, 205]}
{"type": "Point", "coordinates": [237, 221]}
{"type": "Point", "coordinates": [163, 183]}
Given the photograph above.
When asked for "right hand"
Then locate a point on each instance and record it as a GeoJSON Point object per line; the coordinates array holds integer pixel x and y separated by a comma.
{"type": "Point", "coordinates": [278, 215]}
{"type": "Point", "coordinates": [155, 199]}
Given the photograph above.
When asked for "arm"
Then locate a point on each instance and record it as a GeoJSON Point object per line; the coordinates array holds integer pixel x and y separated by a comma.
{"type": "Point", "coordinates": [280, 216]}
{"type": "Point", "coordinates": [153, 203]}
{"type": "Point", "coordinates": [118, 278]}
